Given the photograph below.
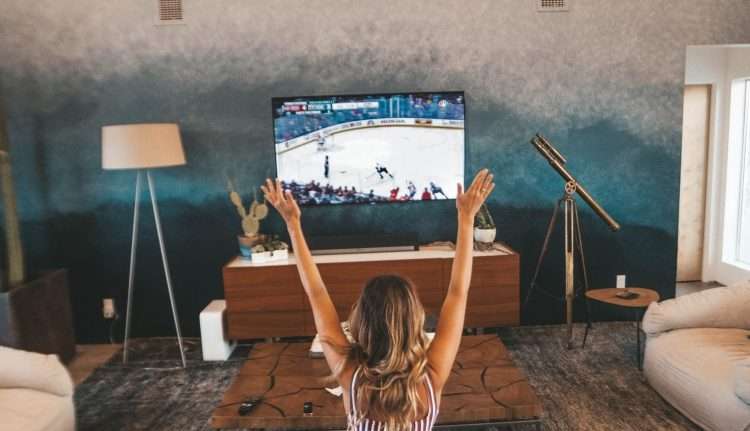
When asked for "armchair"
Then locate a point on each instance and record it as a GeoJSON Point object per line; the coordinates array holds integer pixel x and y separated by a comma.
{"type": "Point", "coordinates": [698, 355]}
{"type": "Point", "coordinates": [36, 392]}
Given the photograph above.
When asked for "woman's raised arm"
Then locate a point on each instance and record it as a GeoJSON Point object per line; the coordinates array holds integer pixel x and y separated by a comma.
{"type": "Point", "coordinates": [443, 349]}
{"type": "Point", "coordinates": [326, 318]}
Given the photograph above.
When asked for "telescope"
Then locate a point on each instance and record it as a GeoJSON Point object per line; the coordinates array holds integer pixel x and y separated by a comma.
{"type": "Point", "coordinates": [573, 238]}
{"type": "Point", "coordinates": [557, 161]}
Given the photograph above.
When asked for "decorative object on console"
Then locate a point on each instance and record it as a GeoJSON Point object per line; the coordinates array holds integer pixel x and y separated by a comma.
{"type": "Point", "coordinates": [573, 239]}
{"type": "Point", "coordinates": [254, 245]}
{"type": "Point", "coordinates": [144, 147]}
{"type": "Point", "coordinates": [253, 215]}
{"type": "Point", "coordinates": [269, 250]}
{"type": "Point", "coordinates": [248, 242]}
{"type": "Point", "coordinates": [35, 312]}
{"type": "Point", "coordinates": [484, 226]}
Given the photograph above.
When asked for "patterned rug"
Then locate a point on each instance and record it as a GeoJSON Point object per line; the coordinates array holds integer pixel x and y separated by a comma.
{"type": "Point", "coordinates": [596, 388]}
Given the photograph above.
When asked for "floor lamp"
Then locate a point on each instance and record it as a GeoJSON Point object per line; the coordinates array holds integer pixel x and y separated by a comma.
{"type": "Point", "coordinates": [144, 147]}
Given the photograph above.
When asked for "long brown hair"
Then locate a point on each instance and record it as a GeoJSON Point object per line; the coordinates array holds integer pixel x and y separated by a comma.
{"type": "Point", "coordinates": [390, 347]}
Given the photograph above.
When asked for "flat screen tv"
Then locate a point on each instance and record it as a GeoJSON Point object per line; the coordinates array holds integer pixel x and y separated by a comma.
{"type": "Point", "coordinates": [370, 148]}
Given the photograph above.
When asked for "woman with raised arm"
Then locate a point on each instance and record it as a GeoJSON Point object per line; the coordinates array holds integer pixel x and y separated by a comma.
{"type": "Point", "coordinates": [391, 374]}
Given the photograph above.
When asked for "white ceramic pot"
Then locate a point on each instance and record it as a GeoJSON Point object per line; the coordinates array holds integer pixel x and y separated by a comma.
{"type": "Point", "coordinates": [280, 254]}
{"type": "Point", "coordinates": [484, 235]}
{"type": "Point", "coordinates": [260, 257]}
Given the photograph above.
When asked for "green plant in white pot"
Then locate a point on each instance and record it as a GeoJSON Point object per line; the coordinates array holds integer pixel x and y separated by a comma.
{"type": "Point", "coordinates": [484, 226]}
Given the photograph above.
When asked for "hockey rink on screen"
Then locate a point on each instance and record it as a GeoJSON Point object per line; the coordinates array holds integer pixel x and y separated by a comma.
{"type": "Point", "coordinates": [410, 153]}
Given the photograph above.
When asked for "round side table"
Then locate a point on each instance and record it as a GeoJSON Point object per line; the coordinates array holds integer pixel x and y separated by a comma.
{"type": "Point", "coordinates": [639, 303]}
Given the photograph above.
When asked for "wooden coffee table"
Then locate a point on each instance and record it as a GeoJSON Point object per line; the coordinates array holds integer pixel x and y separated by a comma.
{"type": "Point", "coordinates": [643, 300]}
{"type": "Point", "coordinates": [485, 388]}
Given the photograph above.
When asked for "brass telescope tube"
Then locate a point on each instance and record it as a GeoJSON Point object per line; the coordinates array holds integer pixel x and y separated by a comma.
{"type": "Point", "coordinates": [557, 161]}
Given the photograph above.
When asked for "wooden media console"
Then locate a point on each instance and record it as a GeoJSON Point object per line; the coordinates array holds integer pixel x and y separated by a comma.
{"type": "Point", "coordinates": [267, 300]}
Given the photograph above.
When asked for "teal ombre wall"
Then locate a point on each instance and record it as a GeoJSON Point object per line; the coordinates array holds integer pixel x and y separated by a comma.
{"type": "Point", "coordinates": [603, 82]}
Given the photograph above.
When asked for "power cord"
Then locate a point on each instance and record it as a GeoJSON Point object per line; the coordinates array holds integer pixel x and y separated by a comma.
{"type": "Point", "coordinates": [111, 336]}
{"type": "Point", "coordinates": [111, 331]}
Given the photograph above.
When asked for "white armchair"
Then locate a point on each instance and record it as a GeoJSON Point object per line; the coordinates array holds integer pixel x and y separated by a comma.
{"type": "Point", "coordinates": [698, 355]}
{"type": "Point", "coordinates": [36, 392]}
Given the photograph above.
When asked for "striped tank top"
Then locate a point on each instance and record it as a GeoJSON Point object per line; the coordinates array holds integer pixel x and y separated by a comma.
{"type": "Point", "coordinates": [425, 424]}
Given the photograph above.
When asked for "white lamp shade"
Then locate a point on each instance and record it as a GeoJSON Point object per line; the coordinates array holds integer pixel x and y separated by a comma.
{"type": "Point", "coordinates": [141, 146]}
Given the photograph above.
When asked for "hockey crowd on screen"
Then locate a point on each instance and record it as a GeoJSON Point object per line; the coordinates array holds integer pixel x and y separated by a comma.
{"type": "Point", "coordinates": [313, 193]}
{"type": "Point", "coordinates": [289, 125]}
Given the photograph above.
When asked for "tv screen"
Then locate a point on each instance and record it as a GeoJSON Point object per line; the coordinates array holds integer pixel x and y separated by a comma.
{"type": "Point", "coordinates": [370, 148]}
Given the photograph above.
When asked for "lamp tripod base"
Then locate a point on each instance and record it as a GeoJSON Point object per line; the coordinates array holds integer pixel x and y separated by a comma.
{"type": "Point", "coordinates": [131, 276]}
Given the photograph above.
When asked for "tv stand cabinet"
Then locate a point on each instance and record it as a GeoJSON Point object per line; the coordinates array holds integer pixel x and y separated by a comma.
{"type": "Point", "coordinates": [267, 300]}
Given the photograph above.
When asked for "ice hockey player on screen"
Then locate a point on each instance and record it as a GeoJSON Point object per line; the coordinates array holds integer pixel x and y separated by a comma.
{"type": "Point", "coordinates": [321, 142]}
{"type": "Point", "coordinates": [394, 194]}
{"type": "Point", "coordinates": [436, 189]}
{"type": "Point", "coordinates": [426, 196]}
{"type": "Point", "coordinates": [380, 169]}
{"type": "Point", "coordinates": [412, 190]}
{"type": "Point", "coordinates": [326, 168]}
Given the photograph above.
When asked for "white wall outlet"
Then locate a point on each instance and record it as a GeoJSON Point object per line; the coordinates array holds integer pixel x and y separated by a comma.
{"type": "Point", "coordinates": [621, 281]}
{"type": "Point", "coordinates": [108, 308]}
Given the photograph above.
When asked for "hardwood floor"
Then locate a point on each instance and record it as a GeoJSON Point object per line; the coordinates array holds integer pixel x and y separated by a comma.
{"type": "Point", "coordinates": [88, 357]}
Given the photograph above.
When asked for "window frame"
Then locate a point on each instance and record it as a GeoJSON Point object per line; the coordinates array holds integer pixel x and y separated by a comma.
{"type": "Point", "coordinates": [740, 191]}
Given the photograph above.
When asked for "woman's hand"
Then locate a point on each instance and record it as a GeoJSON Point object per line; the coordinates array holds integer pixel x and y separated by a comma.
{"type": "Point", "coordinates": [469, 202]}
{"type": "Point", "coordinates": [283, 201]}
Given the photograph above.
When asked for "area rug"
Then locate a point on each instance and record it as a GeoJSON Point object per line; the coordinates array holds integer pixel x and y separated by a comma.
{"type": "Point", "coordinates": [596, 388]}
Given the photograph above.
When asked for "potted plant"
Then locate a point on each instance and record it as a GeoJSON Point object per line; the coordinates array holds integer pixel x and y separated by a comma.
{"type": "Point", "coordinates": [35, 312]}
{"type": "Point", "coordinates": [273, 249]}
{"type": "Point", "coordinates": [484, 226]}
{"type": "Point", "coordinates": [254, 245]}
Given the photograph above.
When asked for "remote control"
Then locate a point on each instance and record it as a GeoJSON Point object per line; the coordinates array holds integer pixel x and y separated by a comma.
{"type": "Point", "coordinates": [247, 406]}
{"type": "Point", "coordinates": [626, 294]}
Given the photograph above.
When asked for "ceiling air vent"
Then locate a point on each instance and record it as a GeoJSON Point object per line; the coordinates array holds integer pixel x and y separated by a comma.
{"type": "Point", "coordinates": [170, 12]}
{"type": "Point", "coordinates": [552, 5]}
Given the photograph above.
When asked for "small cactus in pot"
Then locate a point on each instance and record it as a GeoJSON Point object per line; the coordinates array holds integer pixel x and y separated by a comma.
{"type": "Point", "coordinates": [253, 242]}
{"type": "Point", "coordinates": [250, 220]}
{"type": "Point", "coordinates": [253, 215]}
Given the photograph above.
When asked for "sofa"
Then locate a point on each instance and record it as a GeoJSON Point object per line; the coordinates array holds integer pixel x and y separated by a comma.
{"type": "Point", "coordinates": [36, 392]}
{"type": "Point", "coordinates": [698, 355]}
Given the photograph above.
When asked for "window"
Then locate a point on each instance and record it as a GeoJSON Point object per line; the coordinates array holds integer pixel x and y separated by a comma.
{"type": "Point", "coordinates": [726, 249]}
{"type": "Point", "coordinates": [743, 225]}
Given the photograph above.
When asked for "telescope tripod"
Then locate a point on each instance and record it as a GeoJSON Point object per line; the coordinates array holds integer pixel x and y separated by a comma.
{"type": "Point", "coordinates": [573, 247]}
